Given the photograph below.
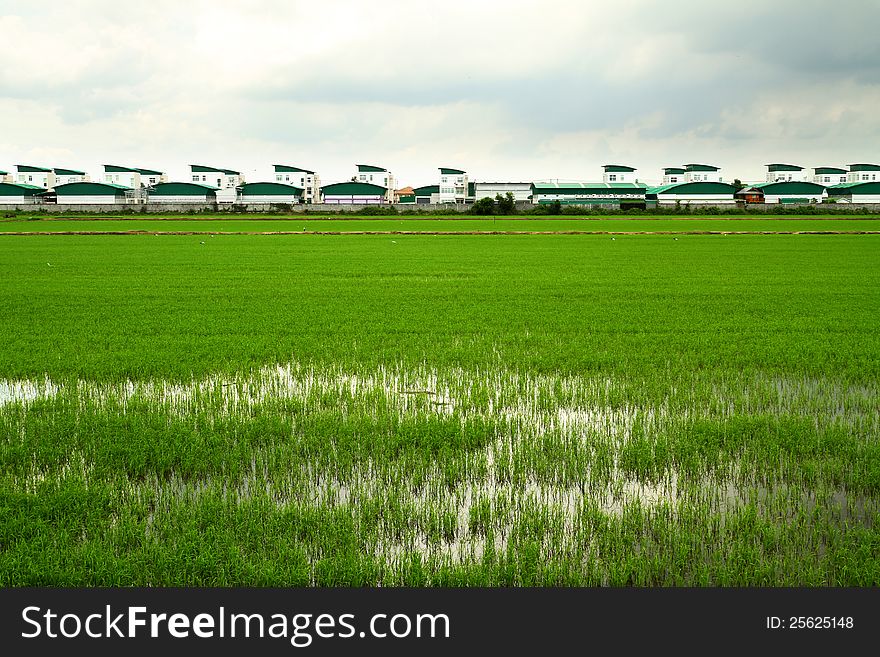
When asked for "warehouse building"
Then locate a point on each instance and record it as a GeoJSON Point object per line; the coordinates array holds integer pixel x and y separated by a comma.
{"type": "Point", "coordinates": [66, 176]}
{"type": "Point", "coordinates": [355, 193]}
{"type": "Point", "coordinates": [829, 175]}
{"type": "Point", "coordinates": [227, 181]}
{"type": "Point", "coordinates": [19, 193]}
{"type": "Point", "coordinates": [453, 186]}
{"type": "Point", "coordinates": [855, 192]}
{"type": "Point", "coordinates": [367, 173]}
{"type": "Point", "coordinates": [306, 180]}
{"type": "Point", "coordinates": [863, 173]}
{"type": "Point", "coordinates": [426, 194]}
{"type": "Point", "coordinates": [91, 193]}
{"type": "Point", "coordinates": [522, 191]}
{"type": "Point", "coordinates": [405, 195]}
{"type": "Point", "coordinates": [692, 193]}
{"type": "Point", "coordinates": [785, 173]}
{"type": "Point", "coordinates": [182, 192]}
{"type": "Point", "coordinates": [784, 192]}
{"type": "Point", "coordinates": [605, 194]}
{"type": "Point", "coordinates": [38, 176]}
{"type": "Point", "coordinates": [270, 192]}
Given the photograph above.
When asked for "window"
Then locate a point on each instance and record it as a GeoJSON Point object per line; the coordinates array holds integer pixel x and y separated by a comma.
{"type": "Point", "coordinates": [363, 177]}
{"type": "Point", "coordinates": [278, 177]}
{"type": "Point", "coordinates": [443, 179]}
{"type": "Point", "coordinates": [460, 179]}
{"type": "Point", "coordinates": [827, 179]}
{"type": "Point", "coordinates": [612, 177]}
{"type": "Point", "coordinates": [204, 178]}
{"type": "Point", "coordinates": [195, 179]}
{"type": "Point", "coordinates": [864, 176]}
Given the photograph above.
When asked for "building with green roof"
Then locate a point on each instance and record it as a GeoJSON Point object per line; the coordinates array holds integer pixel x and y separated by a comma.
{"type": "Point", "coordinates": [702, 173]}
{"type": "Point", "coordinates": [27, 174]}
{"type": "Point", "coordinates": [19, 193]}
{"type": "Point", "coordinates": [786, 191]}
{"type": "Point", "coordinates": [618, 173]}
{"type": "Point", "coordinates": [269, 192]}
{"type": "Point", "coordinates": [134, 177]}
{"type": "Point", "coordinates": [91, 193]}
{"type": "Point", "coordinates": [65, 176]}
{"type": "Point", "coordinates": [829, 175]}
{"type": "Point", "coordinates": [785, 173]}
{"type": "Point", "coordinates": [227, 181]}
{"type": "Point", "coordinates": [692, 193]}
{"type": "Point", "coordinates": [863, 173]}
{"type": "Point", "coordinates": [373, 175]}
{"type": "Point", "coordinates": [5, 176]}
{"type": "Point", "coordinates": [856, 192]}
{"type": "Point", "coordinates": [613, 194]}
{"type": "Point", "coordinates": [182, 192]}
{"type": "Point", "coordinates": [355, 193]}
{"type": "Point", "coordinates": [453, 186]}
{"type": "Point", "coordinates": [427, 194]}
{"type": "Point", "coordinates": [308, 181]}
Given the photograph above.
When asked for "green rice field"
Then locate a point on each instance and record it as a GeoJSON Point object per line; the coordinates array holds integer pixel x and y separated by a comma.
{"type": "Point", "coordinates": [46, 224]}
{"type": "Point", "coordinates": [440, 410]}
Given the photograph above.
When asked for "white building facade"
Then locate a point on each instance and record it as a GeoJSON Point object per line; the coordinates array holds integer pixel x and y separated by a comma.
{"type": "Point", "coordinates": [785, 173]}
{"type": "Point", "coordinates": [522, 191]}
{"type": "Point", "coordinates": [67, 176]}
{"type": "Point", "coordinates": [306, 180]}
{"type": "Point", "coordinates": [860, 173]}
{"type": "Point", "coordinates": [453, 186]}
{"type": "Point", "coordinates": [372, 175]}
{"type": "Point", "coordinates": [618, 173]}
{"type": "Point", "coordinates": [829, 175]}
{"type": "Point", "coordinates": [701, 173]}
{"type": "Point", "coordinates": [26, 174]}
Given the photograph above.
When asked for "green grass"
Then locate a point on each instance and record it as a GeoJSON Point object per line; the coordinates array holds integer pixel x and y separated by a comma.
{"type": "Point", "coordinates": [445, 224]}
{"type": "Point", "coordinates": [440, 410]}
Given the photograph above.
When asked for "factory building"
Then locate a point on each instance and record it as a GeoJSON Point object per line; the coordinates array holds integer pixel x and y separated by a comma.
{"type": "Point", "coordinates": [182, 192]}
{"type": "Point", "coordinates": [355, 193]}
{"type": "Point", "coordinates": [91, 193]}
{"type": "Point", "coordinates": [306, 180]}
{"type": "Point", "coordinates": [606, 194]}
{"type": "Point", "coordinates": [692, 193]}
{"type": "Point", "coordinates": [133, 177]}
{"type": "Point", "coordinates": [701, 173]}
{"type": "Point", "coordinates": [426, 194]}
{"type": "Point", "coordinates": [784, 192]}
{"type": "Point", "coordinates": [673, 175]}
{"type": "Point", "coordinates": [269, 192]}
{"type": "Point", "coordinates": [863, 173]}
{"type": "Point", "coordinates": [367, 173]}
{"type": "Point", "coordinates": [453, 186]}
{"type": "Point", "coordinates": [522, 191]}
{"type": "Point", "coordinates": [19, 193]}
{"type": "Point", "coordinates": [618, 173]}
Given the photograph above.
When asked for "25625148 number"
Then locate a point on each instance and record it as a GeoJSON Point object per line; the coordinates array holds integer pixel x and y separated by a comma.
{"type": "Point", "coordinates": [820, 622]}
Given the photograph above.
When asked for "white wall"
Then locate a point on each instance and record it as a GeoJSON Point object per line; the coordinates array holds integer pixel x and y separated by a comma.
{"type": "Point", "coordinates": [702, 199]}
{"type": "Point", "coordinates": [63, 180]}
{"type": "Point", "coordinates": [521, 191]}
{"type": "Point", "coordinates": [102, 199]}
{"type": "Point", "coordinates": [354, 200]}
{"type": "Point", "coordinates": [619, 176]}
{"type": "Point", "coordinates": [381, 178]}
{"type": "Point", "coordinates": [775, 198]}
{"type": "Point", "coordinates": [453, 188]}
{"type": "Point", "coordinates": [127, 178]}
{"type": "Point", "coordinates": [863, 176]}
{"type": "Point", "coordinates": [44, 179]}
{"type": "Point", "coordinates": [703, 176]}
{"type": "Point", "coordinates": [787, 176]}
{"type": "Point", "coordinates": [179, 199]}
{"type": "Point", "coordinates": [673, 178]}
{"type": "Point", "coordinates": [217, 179]}
{"type": "Point", "coordinates": [310, 184]}
{"type": "Point", "coordinates": [268, 198]}
{"type": "Point", "coordinates": [17, 199]}
{"type": "Point", "coordinates": [829, 178]}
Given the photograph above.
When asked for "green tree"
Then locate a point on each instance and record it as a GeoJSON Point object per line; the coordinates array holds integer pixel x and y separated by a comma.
{"type": "Point", "coordinates": [506, 204]}
{"type": "Point", "coordinates": [484, 206]}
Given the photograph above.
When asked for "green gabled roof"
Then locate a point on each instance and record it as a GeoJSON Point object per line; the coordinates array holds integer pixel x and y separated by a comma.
{"type": "Point", "coordinates": [427, 190]}
{"type": "Point", "coordinates": [617, 168]}
{"type": "Point", "coordinates": [149, 172]}
{"type": "Point", "coordinates": [789, 188]}
{"type": "Point", "coordinates": [113, 168]}
{"type": "Point", "coordinates": [869, 187]}
{"type": "Point", "coordinates": [19, 189]}
{"type": "Point", "coordinates": [446, 171]}
{"type": "Point", "coordinates": [198, 168]}
{"type": "Point", "coordinates": [283, 168]}
{"type": "Point", "coordinates": [366, 168]}
{"type": "Point", "coordinates": [26, 168]}
{"type": "Point", "coordinates": [864, 167]}
{"type": "Point", "coordinates": [694, 188]}
{"type": "Point", "coordinates": [673, 170]}
{"type": "Point", "coordinates": [181, 189]}
{"type": "Point", "coordinates": [90, 189]}
{"type": "Point", "coordinates": [783, 167]}
{"type": "Point", "coordinates": [68, 172]}
{"type": "Point", "coordinates": [270, 189]}
{"type": "Point", "coordinates": [700, 167]}
{"type": "Point", "coordinates": [828, 170]}
{"type": "Point", "coordinates": [353, 188]}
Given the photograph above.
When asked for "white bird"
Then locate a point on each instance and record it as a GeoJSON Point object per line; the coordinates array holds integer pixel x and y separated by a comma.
{"type": "Point", "coordinates": [201, 242]}
{"type": "Point", "coordinates": [49, 263]}
{"type": "Point", "coordinates": [393, 242]}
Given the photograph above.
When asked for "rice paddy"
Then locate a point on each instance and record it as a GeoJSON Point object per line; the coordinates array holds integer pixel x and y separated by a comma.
{"type": "Point", "coordinates": [440, 410]}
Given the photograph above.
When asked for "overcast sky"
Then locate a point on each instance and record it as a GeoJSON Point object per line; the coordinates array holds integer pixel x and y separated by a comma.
{"type": "Point", "coordinates": [508, 90]}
